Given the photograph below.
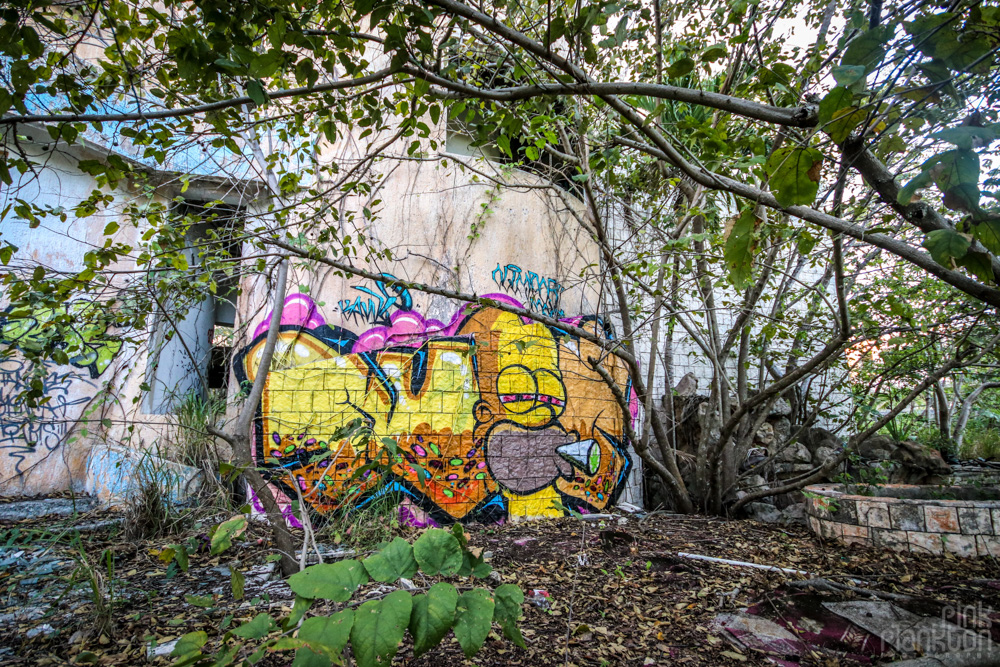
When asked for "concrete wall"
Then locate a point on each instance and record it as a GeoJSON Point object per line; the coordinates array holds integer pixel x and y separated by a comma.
{"type": "Point", "coordinates": [495, 417]}
{"type": "Point", "coordinates": [45, 448]}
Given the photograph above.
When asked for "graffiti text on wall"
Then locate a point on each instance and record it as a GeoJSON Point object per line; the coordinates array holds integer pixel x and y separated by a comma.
{"type": "Point", "coordinates": [542, 294]}
{"type": "Point", "coordinates": [27, 431]}
{"type": "Point", "coordinates": [378, 305]}
{"type": "Point", "coordinates": [86, 340]}
{"type": "Point", "coordinates": [492, 415]}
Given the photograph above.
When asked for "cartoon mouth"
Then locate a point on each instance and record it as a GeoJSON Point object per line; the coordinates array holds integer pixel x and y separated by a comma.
{"type": "Point", "coordinates": [536, 398]}
{"type": "Point", "coordinates": [525, 461]}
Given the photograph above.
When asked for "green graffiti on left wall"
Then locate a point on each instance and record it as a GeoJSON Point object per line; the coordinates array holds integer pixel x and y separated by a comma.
{"type": "Point", "coordinates": [79, 328]}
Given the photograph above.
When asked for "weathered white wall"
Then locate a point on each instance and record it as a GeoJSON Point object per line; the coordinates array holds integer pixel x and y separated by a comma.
{"type": "Point", "coordinates": [44, 448]}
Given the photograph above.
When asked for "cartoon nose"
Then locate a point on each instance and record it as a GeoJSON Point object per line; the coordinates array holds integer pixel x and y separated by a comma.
{"type": "Point", "coordinates": [584, 454]}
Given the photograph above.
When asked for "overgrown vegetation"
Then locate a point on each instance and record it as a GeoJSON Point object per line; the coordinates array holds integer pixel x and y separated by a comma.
{"type": "Point", "coordinates": [191, 418]}
{"type": "Point", "coordinates": [373, 629]}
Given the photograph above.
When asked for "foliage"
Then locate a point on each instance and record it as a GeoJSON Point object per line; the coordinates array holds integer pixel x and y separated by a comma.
{"type": "Point", "coordinates": [372, 629]}
{"type": "Point", "coordinates": [707, 154]}
{"type": "Point", "coordinates": [100, 580]}
{"type": "Point", "coordinates": [192, 416]}
{"type": "Point", "coordinates": [363, 526]}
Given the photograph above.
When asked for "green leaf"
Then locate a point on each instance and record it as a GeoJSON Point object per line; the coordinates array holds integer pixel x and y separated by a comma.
{"type": "Point", "coordinates": [378, 628]}
{"type": "Point", "coordinates": [956, 173]}
{"type": "Point", "coordinates": [794, 174]}
{"type": "Point", "coordinates": [200, 600]}
{"type": "Point", "coordinates": [328, 635]}
{"type": "Point", "coordinates": [806, 242]}
{"type": "Point", "coordinates": [260, 626]}
{"type": "Point", "coordinates": [474, 566]}
{"type": "Point", "coordinates": [738, 252]}
{"type": "Point", "coordinates": [306, 657]}
{"type": "Point", "coordinates": [680, 67]}
{"type": "Point", "coordinates": [848, 75]}
{"type": "Point", "coordinates": [937, 36]}
{"type": "Point", "coordinates": [713, 53]}
{"type": "Point", "coordinates": [867, 50]}
{"type": "Point", "coordinates": [236, 582]}
{"type": "Point", "coordinates": [222, 538]}
{"type": "Point", "coordinates": [176, 552]}
{"type": "Point", "coordinates": [438, 552]}
{"type": "Point", "coordinates": [503, 142]}
{"type": "Point", "coordinates": [329, 581]}
{"type": "Point", "coordinates": [473, 620]}
{"type": "Point", "coordinates": [299, 609]}
{"type": "Point", "coordinates": [945, 245]}
{"type": "Point", "coordinates": [509, 599]}
{"type": "Point", "coordinates": [979, 264]}
{"type": "Point", "coordinates": [844, 122]}
{"type": "Point", "coordinates": [835, 100]}
{"type": "Point", "coordinates": [907, 192]}
{"type": "Point", "coordinates": [230, 66]}
{"type": "Point", "coordinates": [392, 562]}
{"type": "Point", "coordinates": [256, 92]}
{"type": "Point", "coordinates": [189, 643]}
{"type": "Point", "coordinates": [968, 137]}
{"type": "Point", "coordinates": [988, 233]}
{"type": "Point", "coordinates": [432, 617]}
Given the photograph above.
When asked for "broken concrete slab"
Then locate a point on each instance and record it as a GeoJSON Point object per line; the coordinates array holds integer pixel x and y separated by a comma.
{"type": "Point", "coordinates": [986, 657]}
{"type": "Point", "coordinates": [33, 509]}
{"type": "Point", "coordinates": [113, 474]}
{"type": "Point", "coordinates": [905, 631]}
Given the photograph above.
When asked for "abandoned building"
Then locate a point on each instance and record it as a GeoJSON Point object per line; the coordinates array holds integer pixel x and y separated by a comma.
{"type": "Point", "coordinates": [495, 415]}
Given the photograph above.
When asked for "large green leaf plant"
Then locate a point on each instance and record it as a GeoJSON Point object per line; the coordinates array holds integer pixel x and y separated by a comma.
{"type": "Point", "coordinates": [372, 630]}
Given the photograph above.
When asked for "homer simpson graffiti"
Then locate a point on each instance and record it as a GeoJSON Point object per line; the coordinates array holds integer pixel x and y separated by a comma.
{"type": "Point", "coordinates": [490, 416]}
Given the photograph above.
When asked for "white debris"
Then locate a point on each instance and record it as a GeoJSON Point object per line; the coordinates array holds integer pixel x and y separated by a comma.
{"type": "Point", "coordinates": [155, 650]}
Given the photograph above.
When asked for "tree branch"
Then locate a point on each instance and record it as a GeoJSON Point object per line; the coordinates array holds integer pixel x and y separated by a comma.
{"type": "Point", "coordinates": [198, 109]}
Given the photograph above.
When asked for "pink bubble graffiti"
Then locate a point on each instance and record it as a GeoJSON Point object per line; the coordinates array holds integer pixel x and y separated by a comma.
{"type": "Point", "coordinates": [299, 310]}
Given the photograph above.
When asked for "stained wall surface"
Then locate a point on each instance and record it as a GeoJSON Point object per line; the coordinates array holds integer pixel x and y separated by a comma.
{"type": "Point", "coordinates": [41, 449]}
{"type": "Point", "coordinates": [494, 416]}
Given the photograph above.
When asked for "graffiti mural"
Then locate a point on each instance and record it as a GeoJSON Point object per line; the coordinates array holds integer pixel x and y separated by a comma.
{"type": "Point", "coordinates": [491, 415]}
{"type": "Point", "coordinates": [26, 431]}
{"type": "Point", "coordinates": [86, 339]}
{"type": "Point", "coordinates": [378, 305]}
{"type": "Point", "coordinates": [543, 294]}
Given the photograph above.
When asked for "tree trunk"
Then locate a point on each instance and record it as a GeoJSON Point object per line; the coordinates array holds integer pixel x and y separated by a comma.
{"type": "Point", "coordinates": [958, 434]}
{"type": "Point", "coordinates": [239, 437]}
{"type": "Point", "coordinates": [941, 411]}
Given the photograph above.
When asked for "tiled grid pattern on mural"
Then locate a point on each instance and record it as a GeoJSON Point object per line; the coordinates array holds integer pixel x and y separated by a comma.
{"type": "Point", "coordinates": [493, 416]}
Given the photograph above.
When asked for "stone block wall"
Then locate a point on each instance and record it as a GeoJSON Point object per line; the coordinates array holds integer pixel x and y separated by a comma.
{"type": "Point", "coordinates": [917, 525]}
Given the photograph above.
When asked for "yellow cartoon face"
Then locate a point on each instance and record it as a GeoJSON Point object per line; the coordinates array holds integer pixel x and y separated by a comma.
{"type": "Point", "coordinates": [518, 369]}
{"type": "Point", "coordinates": [529, 383]}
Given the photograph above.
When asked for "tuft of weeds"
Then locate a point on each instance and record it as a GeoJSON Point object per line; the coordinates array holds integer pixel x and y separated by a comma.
{"type": "Point", "coordinates": [363, 527]}
{"type": "Point", "coordinates": [192, 443]}
{"type": "Point", "coordinates": [150, 513]}
{"type": "Point", "coordinates": [99, 579]}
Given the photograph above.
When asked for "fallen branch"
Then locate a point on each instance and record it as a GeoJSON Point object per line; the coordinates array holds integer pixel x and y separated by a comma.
{"type": "Point", "coordinates": [740, 563]}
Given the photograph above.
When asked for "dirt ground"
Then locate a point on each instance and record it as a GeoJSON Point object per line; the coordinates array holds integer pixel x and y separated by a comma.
{"type": "Point", "coordinates": [607, 592]}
